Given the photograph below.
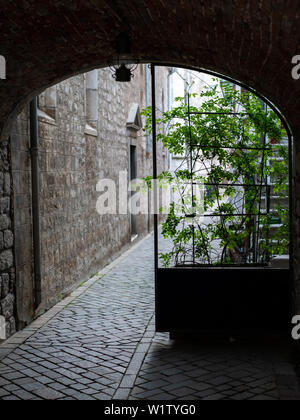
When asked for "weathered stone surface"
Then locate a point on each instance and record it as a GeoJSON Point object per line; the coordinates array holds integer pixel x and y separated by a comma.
{"type": "Point", "coordinates": [12, 275]}
{"type": "Point", "coordinates": [4, 205]}
{"type": "Point", "coordinates": [1, 241]}
{"type": "Point", "coordinates": [1, 182]}
{"type": "Point", "coordinates": [5, 285]}
{"type": "Point", "coordinates": [7, 270]}
{"type": "Point", "coordinates": [8, 239]}
{"type": "Point", "coordinates": [7, 306]}
{"type": "Point", "coordinates": [12, 325]}
{"type": "Point", "coordinates": [7, 184]}
{"type": "Point", "coordinates": [6, 260]}
{"type": "Point", "coordinates": [5, 222]}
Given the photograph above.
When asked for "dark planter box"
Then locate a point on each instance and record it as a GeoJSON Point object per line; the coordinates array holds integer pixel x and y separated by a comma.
{"type": "Point", "coordinates": [223, 300]}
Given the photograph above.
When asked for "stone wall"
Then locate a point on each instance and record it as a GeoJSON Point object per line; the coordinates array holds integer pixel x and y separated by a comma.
{"type": "Point", "coordinates": [76, 242]}
{"type": "Point", "coordinates": [253, 42]}
{"type": "Point", "coordinates": [21, 173]}
{"type": "Point", "coordinates": [7, 271]}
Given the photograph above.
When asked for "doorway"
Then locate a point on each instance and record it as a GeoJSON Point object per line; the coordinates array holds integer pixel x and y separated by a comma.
{"type": "Point", "coordinates": [133, 176]}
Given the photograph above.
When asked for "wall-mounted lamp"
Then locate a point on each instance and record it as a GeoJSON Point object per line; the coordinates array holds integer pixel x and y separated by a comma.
{"type": "Point", "coordinates": [123, 69]}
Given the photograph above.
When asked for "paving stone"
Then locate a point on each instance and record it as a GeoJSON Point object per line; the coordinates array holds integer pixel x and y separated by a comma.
{"type": "Point", "coordinates": [84, 381]}
{"type": "Point", "coordinates": [23, 395]}
{"type": "Point", "coordinates": [102, 396]}
{"type": "Point", "coordinates": [122, 394]}
{"type": "Point", "coordinates": [3, 382]}
{"type": "Point", "coordinates": [32, 386]}
{"type": "Point", "coordinates": [4, 393]}
{"type": "Point", "coordinates": [64, 381]}
{"type": "Point", "coordinates": [262, 398]}
{"type": "Point", "coordinates": [44, 380]}
{"type": "Point", "coordinates": [87, 351]}
{"type": "Point", "coordinates": [11, 387]}
{"type": "Point", "coordinates": [183, 392]}
{"type": "Point", "coordinates": [57, 387]}
{"type": "Point", "coordinates": [162, 397]}
{"type": "Point", "coordinates": [221, 380]}
{"type": "Point", "coordinates": [155, 384]}
{"type": "Point", "coordinates": [144, 395]}
{"type": "Point", "coordinates": [205, 394]}
{"type": "Point", "coordinates": [215, 397]}
{"type": "Point", "coordinates": [11, 398]}
{"type": "Point", "coordinates": [128, 381]}
{"type": "Point", "coordinates": [48, 394]}
{"type": "Point", "coordinates": [14, 375]}
{"type": "Point", "coordinates": [89, 391]}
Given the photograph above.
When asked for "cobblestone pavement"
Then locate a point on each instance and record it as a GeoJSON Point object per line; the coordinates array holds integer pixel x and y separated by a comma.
{"type": "Point", "coordinates": [100, 344]}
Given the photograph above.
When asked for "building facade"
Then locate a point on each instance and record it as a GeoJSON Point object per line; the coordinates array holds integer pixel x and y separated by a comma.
{"type": "Point", "coordinates": [90, 129]}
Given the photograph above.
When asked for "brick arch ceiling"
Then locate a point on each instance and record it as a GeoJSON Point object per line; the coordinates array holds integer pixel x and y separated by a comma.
{"type": "Point", "coordinates": [252, 41]}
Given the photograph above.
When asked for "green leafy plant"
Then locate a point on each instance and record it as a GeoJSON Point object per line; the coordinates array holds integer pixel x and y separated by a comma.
{"type": "Point", "coordinates": [234, 150]}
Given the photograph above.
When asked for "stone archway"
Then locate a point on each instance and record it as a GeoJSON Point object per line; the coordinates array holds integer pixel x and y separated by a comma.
{"type": "Point", "coordinates": [252, 42]}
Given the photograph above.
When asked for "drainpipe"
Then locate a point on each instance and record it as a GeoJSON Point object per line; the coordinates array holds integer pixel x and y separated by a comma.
{"type": "Point", "coordinates": [147, 91]}
{"type": "Point", "coordinates": [148, 140]}
{"type": "Point", "coordinates": [35, 182]}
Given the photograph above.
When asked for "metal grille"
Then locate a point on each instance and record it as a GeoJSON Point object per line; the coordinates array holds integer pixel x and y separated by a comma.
{"type": "Point", "coordinates": [256, 224]}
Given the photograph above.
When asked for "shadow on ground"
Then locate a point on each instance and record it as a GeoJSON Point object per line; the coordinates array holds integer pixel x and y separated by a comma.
{"type": "Point", "coordinates": [216, 369]}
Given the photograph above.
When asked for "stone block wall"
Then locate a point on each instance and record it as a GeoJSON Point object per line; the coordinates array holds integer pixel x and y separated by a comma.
{"type": "Point", "coordinates": [76, 242]}
{"type": "Point", "coordinates": [21, 179]}
{"type": "Point", "coordinates": [7, 271]}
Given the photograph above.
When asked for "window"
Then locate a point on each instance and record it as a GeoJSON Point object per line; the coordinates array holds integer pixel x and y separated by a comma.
{"type": "Point", "coordinates": [48, 104]}
{"type": "Point", "coordinates": [92, 103]}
